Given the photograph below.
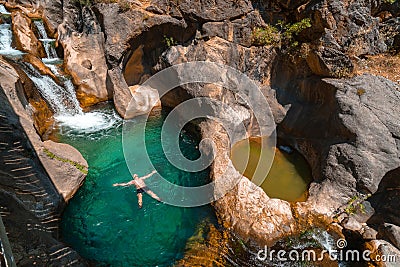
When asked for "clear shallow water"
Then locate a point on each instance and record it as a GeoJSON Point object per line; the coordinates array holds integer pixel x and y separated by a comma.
{"type": "Point", "coordinates": [289, 176]}
{"type": "Point", "coordinates": [103, 223]}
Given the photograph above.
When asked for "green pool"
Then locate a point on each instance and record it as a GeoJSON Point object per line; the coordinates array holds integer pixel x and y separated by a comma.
{"type": "Point", "coordinates": [104, 224]}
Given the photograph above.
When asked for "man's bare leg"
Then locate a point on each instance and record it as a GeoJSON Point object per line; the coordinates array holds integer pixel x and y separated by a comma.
{"type": "Point", "coordinates": [153, 195]}
{"type": "Point", "coordinates": [140, 200]}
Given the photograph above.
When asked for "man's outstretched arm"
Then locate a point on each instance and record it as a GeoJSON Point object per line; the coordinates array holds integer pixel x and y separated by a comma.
{"type": "Point", "coordinates": [148, 175]}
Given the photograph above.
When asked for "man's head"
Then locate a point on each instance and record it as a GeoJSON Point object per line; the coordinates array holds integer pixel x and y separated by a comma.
{"type": "Point", "coordinates": [135, 176]}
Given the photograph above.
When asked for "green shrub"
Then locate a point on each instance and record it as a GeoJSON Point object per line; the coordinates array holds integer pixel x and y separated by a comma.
{"type": "Point", "coordinates": [291, 30]}
{"type": "Point", "coordinates": [356, 204]}
{"type": "Point", "coordinates": [284, 36]}
{"type": "Point", "coordinates": [266, 36]}
{"type": "Point", "coordinates": [169, 41]}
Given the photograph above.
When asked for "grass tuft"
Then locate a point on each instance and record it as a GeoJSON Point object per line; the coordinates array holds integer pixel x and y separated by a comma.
{"type": "Point", "coordinates": [78, 166]}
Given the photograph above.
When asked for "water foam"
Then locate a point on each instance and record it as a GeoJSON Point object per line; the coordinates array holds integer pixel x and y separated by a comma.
{"type": "Point", "coordinates": [69, 114]}
{"type": "Point", "coordinates": [89, 122]}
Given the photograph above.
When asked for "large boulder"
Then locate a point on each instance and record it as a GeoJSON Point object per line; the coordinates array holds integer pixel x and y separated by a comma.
{"type": "Point", "coordinates": [66, 167]}
{"type": "Point", "coordinates": [84, 58]}
{"type": "Point", "coordinates": [345, 130]}
{"type": "Point", "coordinates": [329, 62]}
{"type": "Point", "coordinates": [347, 25]}
{"type": "Point", "coordinates": [25, 37]}
{"type": "Point", "coordinates": [382, 253]}
{"type": "Point", "coordinates": [144, 99]}
{"type": "Point", "coordinates": [359, 161]}
{"type": "Point", "coordinates": [121, 93]}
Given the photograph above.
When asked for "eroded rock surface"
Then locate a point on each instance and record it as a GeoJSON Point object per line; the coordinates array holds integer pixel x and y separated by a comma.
{"type": "Point", "coordinates": [383, 253]}
{"type": "Point", "coordinates": [31, 205]}
{"type": "Point", "coordinates": [66, 167]}
{"type": "Point", "coordinates": [25, 38]}
{"type": "Point", "coordinates": [84, 57]}
{"type": "Point", "coordinates": [246, 208]}
{"type": "Point", "coordinates": [346, 128]}
{"type": "Point", "coordinates": [343, 127]}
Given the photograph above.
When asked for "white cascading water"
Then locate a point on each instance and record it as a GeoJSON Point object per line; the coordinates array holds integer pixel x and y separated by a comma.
{"type": "Point", "coordinates": [62, 99]}
{"type": "Point", "coordinates": [6, 37]}
{"type": "Point", "coordinates": [3, 10]}
{"type": "Point", "coordinates": [48, 43]}
{"type": "Point", "coordinates": [66, 106]}
{"type": "Point", "coordinates": [90, 121]}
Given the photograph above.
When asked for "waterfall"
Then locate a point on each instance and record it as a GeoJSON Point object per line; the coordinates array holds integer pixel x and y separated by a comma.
{"type": "Point", "coordinates": [3, 11]}
{"type": "Point", "coordinates": [69, 86]}
{"type": "Point", "coordinates": [62, 100]}
{"type": "Point", "coordinates": [68, 113]}
{"type": "Point", "coordinates": [6, 37]}
{"type": "Point", "coordinates": [60, 97]}
{"type": "Point", "coordinates": [47, 42]}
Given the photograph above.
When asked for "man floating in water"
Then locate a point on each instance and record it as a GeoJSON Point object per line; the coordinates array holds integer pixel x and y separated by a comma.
{"type": "Point", "coordinates": [141, 187]}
